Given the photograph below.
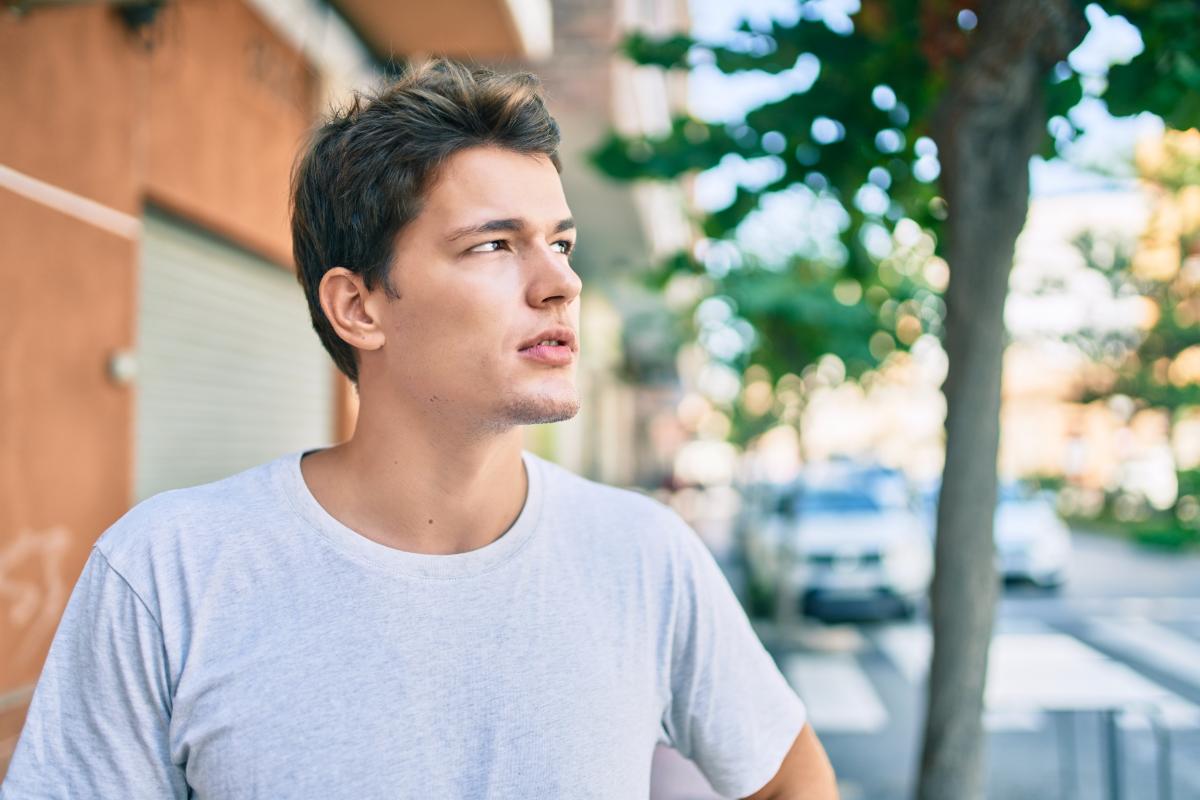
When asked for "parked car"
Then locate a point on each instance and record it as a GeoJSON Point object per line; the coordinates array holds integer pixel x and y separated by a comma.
{"type": "Point", "coordinates": [858, 549]}
{"type": "Point", "coordinates": [1032, 542]}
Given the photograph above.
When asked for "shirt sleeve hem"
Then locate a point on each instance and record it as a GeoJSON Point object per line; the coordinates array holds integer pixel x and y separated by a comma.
{"type": "Point", "coordinates": [792, 720]}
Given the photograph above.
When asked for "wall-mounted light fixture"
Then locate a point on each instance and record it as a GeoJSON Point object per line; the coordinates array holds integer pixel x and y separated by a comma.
{"type": "Point", "coordinates": [122, 367]}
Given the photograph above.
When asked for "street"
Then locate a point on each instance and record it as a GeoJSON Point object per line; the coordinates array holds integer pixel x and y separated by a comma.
{"type": "Point", "coordinates": [1123, 633]}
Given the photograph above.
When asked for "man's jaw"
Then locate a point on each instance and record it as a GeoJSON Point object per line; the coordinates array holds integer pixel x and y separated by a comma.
{"type": "Point", "coordinates": [539, 409]}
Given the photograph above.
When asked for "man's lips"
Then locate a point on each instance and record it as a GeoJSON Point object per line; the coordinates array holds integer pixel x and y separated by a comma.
{"type": "Point", "coordinates": [558, 333]}
{"type": "Point", "coordinates": [555, 346]}
{"type": "Point", "coordinates": [559, 355]}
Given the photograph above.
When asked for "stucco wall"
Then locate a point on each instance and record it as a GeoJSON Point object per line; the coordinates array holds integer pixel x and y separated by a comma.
{"type": "Point", "coordinates": [227, 104]}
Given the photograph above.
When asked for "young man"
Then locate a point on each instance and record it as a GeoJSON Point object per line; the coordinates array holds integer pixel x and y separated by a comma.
{"type": "Point", "coordinates": [426, 610]}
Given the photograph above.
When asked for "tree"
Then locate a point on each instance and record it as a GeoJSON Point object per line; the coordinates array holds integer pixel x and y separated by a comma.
{"type": "Point", "coordinates": [905, 90]}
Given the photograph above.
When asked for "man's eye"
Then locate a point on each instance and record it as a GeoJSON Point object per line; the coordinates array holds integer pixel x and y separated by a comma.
{"type": "Point", "coordinates": [486, 247]}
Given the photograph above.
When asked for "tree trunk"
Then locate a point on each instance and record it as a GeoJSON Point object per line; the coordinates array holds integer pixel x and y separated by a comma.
{"type": "Point", "coordinates": [990, 123]}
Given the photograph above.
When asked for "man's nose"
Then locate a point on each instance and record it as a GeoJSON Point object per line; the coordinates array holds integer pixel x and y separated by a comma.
{"type": "Point", "coordinates": [553, 279]}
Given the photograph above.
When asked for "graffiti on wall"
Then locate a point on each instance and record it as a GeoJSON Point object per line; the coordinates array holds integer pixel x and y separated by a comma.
{"type": "Point", "coordinates": [34, 587]}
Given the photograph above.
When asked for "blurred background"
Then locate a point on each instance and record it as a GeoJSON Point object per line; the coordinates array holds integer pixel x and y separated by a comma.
{"type": "Point", "coordinates": [761, 208]}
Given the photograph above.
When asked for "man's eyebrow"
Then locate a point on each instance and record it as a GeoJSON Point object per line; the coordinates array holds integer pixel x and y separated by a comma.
{"type": "Point", "coordinates": [511, 225]}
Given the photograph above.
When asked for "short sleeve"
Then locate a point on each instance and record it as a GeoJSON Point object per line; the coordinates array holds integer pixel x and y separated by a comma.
{"type": "Point", "coordinates": [97, 724]}
{"type": "Point", "coordinates": [731, 711]}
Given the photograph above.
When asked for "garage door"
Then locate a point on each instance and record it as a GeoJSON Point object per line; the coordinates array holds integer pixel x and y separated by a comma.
{"type": "Point", "coordinates": [230, 372]}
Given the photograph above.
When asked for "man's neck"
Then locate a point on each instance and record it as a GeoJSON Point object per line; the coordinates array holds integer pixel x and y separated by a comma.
{"type": "Point", "coordinates": [421, 487]}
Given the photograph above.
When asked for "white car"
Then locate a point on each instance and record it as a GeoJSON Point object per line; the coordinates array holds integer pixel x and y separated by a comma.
{"type": "Point", "coordinates": [858, 549]}
{"type": "Point", "coordinates": [1032, 542]}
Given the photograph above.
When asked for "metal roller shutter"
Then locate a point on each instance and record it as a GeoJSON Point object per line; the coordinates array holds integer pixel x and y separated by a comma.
{"type": "Point", "coordinates": [230, 372]}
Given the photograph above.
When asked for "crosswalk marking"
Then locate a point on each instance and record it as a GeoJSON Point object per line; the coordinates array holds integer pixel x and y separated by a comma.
{"type": "Point", "coordinates": [1166, 607]}
{"type": "Point", "coordinates": [1150, 643]}
{"type": "Point", "coordinates": [839, 696]}
{"type": "Point", "coordinates": [1032, 670]}
{"type": "Point", "coordinates": [1049, 671]}
{"type": "Point", "coordinates": [1011, 720]}
{"type": "Point", "coordinates": [908, 647]}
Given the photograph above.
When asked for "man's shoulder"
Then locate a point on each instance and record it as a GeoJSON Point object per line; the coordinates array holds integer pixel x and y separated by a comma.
{"type": "Point", "coordinates": [188, 518]}
{"type": "Point", "coordinates": [613, 511]}
{"type": "Point", "coordinates": [563, 483]}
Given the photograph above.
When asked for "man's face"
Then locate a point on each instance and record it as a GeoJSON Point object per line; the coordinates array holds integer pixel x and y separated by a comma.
{"type": "Point", "coordinates": [481, 273]}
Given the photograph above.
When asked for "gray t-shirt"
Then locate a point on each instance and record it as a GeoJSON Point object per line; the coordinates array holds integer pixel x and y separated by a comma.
{"type": "Point", "coordinates": [234, 640]}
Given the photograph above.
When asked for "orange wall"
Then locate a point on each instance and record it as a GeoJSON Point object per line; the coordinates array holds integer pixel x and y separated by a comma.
{"type": "Point", "coordinates": [69, 116]}
{"type": "Point", "coordinates": [227, 105]}
{"type": "Point", "coordinates": [202, 114]}
{"type": "Point", "coordinates": [65, 462]}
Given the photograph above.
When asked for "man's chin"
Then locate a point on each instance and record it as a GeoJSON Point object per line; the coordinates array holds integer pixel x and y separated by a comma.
{"type": "Point", "coordinates": [540, 409]}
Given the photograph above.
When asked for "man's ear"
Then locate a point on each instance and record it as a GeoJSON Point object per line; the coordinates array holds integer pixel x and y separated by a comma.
{"type": "Point", "coordinates": [351, 308]}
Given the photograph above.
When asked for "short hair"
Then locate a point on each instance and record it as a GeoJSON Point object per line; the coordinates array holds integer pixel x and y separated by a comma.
{"type": "Point", "coordinates": [364, 173]}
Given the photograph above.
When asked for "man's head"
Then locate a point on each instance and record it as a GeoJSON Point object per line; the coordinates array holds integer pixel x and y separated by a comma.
{"type": "Point", "coordinates": [430, 233]}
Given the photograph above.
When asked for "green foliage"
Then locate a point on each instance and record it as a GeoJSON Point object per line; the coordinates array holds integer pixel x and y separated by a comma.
{"type": "Point", "coordinates": [838, 159]}
{"type": "Point", "coordinates": [691, 145]}
{"type": "Point", "coordinates": [1189, 482]}
{"type": "Point", "coordinates": [798, 319]}
{"type": "Point", "coordinates": [1047, 483]}
{"type": "Point", "coordinates": [1165, 78]}
{"type": "Point", "coordinates": [760, 600]}
{"type": "Point", "coordinates": [861, 121]}
{"type": "Point", "coordinates": [1166, 535]}
{"type": "Point", "coordinates": [865, 119]}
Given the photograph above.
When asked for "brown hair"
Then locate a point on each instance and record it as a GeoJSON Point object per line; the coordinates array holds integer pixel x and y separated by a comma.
{"type": "Point", "coordinates": [363, 175]}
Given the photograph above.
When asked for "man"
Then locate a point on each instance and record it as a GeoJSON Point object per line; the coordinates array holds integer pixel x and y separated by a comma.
{"type": "Point", "coordinates": [426, 610]}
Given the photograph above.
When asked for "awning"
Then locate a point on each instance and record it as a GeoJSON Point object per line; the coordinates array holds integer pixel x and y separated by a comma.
{"type": "Point", "coordinates": [469, 29]}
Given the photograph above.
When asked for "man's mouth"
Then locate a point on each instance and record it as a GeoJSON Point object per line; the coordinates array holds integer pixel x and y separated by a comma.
{"type": "Point", "coordinates": [552, 352]}
{"type": "Point", "coordinates": [552, 337]}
